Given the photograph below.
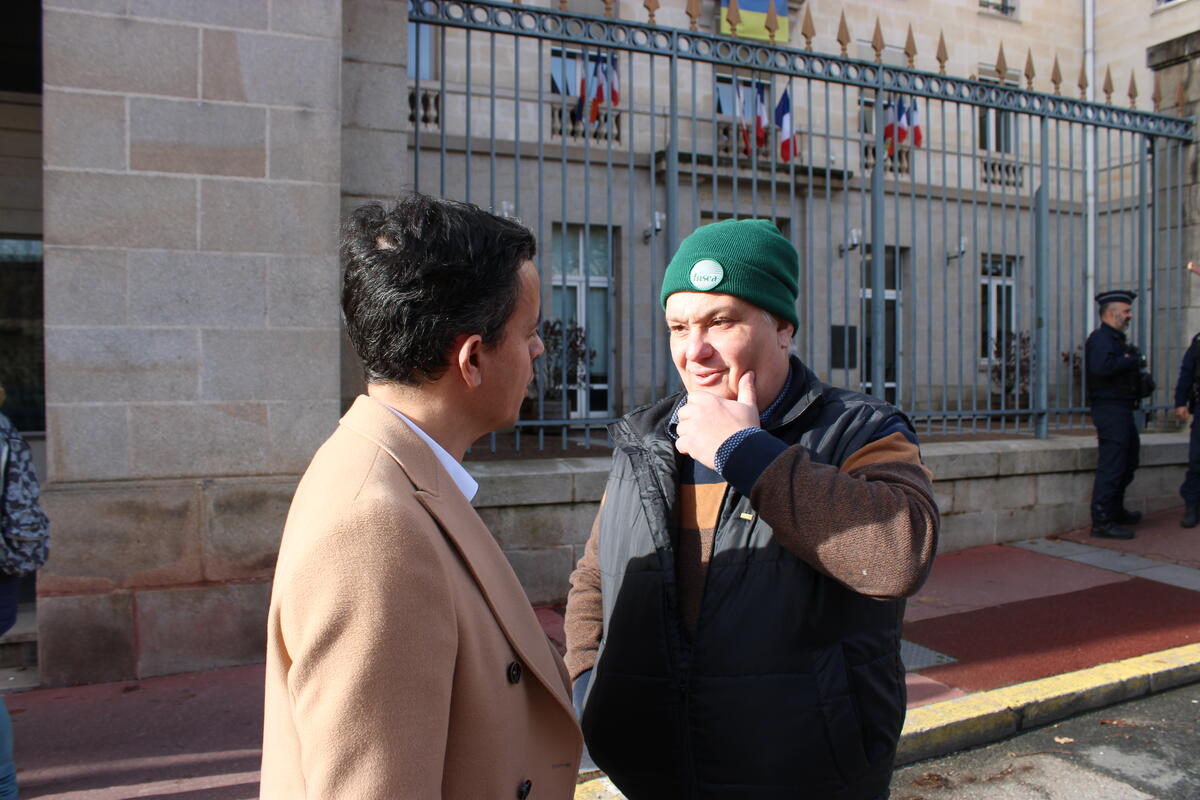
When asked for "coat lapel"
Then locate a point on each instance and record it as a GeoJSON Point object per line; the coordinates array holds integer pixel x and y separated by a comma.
{"type": "Point", "coordinates": [464, 529]}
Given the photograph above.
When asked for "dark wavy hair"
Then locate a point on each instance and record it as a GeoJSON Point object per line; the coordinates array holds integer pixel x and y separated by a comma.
{"type": "Point", "coordinates": [420, 274]}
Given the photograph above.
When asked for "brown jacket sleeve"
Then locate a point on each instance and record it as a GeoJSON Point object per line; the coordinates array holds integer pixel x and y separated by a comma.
{"type": "Point", "coordinates": [584, 624]}
{"type": "Point", "coordinates": [871, 526]}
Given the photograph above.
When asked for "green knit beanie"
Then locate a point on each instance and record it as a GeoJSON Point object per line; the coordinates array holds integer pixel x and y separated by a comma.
{"type": "Point", "coordinates": [747, 258]}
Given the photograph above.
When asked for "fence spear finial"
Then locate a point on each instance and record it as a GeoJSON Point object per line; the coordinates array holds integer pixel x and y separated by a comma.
{"type": "Point", "coordinates": [943, 55]}
{"type": "Point", "coordinates": [1056, 76]}
{"type": "Point", "coordinates": [910, 47]}
{"type": "Point", "coordinates": [772, 21]}
{"type": "Point", "coordinates": [843, 37]}
{"type": "Point", "coordinates": [733, 16]}
{"type": "Point", "coordinates": [1029, 71]}
{"type": "Point", "coordinates": [651, 6]}
{"type": "Point", "coordinates": [1083, 81]}
{"type": "Point", "coordinates": [1133, 92]}
{"type": "Point", "coordinates": [1001, 64]}
{"type": "Point", "coordinates": [1156, 96]}
{"type": "Point", "coordinates": [807, 29]}
{"type": "Point", "coordinates": [693, 12]}
{"type": "Point", "coordinates": [1108, 86]}
{"type": "Point", "coordinates": [877, 42]}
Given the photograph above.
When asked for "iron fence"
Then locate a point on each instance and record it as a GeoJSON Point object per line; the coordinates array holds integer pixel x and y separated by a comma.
{"type": "Point", "coordinates": [949, 269]}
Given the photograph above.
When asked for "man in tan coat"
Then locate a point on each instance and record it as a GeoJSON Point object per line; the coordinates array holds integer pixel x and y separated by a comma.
{"type": "Point", "coordinates": [403, 658]}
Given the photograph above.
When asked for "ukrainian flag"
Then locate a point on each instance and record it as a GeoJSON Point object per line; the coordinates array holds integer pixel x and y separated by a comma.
{"type": "Point", "coordinates": [754, 20]}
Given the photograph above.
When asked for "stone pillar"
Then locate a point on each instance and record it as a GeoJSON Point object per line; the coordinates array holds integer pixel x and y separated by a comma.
{"type": "Point", "coordinates": [192, 180]}
{"type": "Point", "coordinates": [375, 139]}
{"type": "Point", "coordinates": [1176, 63]}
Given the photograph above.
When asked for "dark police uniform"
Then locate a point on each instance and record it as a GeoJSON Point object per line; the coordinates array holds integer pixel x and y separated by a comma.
{"type": "Point", "coordinates": [1113, 368]}
{"type": "Point", "coordinates": [1187, 393]}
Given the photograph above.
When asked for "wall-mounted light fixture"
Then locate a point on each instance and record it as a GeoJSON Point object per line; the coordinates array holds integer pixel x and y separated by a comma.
{"type": "Point", "coordinates": [852, 244]}
{"type": "Point", "coordinates": [659, 219]}
{"type": "Point", "coordinates": [962, 249]}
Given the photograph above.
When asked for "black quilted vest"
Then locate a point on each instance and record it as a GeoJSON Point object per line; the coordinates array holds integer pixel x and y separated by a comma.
{"type": "Point", "coordinates": [792, 686]}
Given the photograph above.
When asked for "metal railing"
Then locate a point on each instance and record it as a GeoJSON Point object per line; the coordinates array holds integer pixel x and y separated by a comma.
{"type": "Point", "coordinates": [953, 276]}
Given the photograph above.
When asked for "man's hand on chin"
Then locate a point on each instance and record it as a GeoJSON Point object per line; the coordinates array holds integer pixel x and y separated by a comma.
{"type": "Point", "coordinates": [706, 421]}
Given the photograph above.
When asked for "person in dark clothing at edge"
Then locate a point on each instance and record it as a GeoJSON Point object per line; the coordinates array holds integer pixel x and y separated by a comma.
{"type": "Point", "coordinates": [1114, 367]}
{"type": "Point", "coordinates": [733, 628]}
{"type": "Point", "coordinates": [1187, 398]}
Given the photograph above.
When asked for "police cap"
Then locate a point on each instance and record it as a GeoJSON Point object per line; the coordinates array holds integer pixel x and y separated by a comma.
{"type": "Point", "coordinates": [1116, 296]}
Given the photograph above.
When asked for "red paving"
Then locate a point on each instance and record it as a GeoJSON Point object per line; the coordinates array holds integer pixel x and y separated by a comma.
{"type": "Point", "coordinates": [1031, 639]}
{"type": "Point", "coordinates": [995, 575]}
{"type": "Point", "coordinates": [1159, 538]}
{"type": "Point", "coordinates": [188, 737]}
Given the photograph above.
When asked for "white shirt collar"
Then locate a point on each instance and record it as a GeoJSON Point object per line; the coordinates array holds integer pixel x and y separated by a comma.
{"type": "Point", "coordinates": [462, 479]}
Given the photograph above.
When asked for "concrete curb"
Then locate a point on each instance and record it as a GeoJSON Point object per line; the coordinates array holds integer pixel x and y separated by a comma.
{"type": "Point", "coordinates": [942, 728]}
{"type": "Point", "coordinates": [984, 717]}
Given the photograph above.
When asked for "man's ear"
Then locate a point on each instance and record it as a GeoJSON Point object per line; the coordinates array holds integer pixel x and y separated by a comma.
{"type": "Point", "coordinates": [785, 331]}
{"type": "Point", "coordinates": [466, 360]}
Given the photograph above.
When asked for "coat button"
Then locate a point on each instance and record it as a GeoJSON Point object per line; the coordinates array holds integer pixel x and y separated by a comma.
{"type": "Point", "coordinates": [524, 789]}
{"type": "Point", "coordinates": [514, 676]}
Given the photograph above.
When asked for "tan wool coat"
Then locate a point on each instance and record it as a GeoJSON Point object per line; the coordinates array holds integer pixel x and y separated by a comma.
{"type": "Point", "coordinates": [403, 658]}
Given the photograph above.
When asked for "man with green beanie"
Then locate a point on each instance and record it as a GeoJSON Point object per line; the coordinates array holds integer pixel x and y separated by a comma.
{"type": "Point", "coordinates": [733, 628]}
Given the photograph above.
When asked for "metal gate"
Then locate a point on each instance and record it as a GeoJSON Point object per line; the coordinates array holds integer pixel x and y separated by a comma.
{"type": "Point", "coordinates": [951, 231]}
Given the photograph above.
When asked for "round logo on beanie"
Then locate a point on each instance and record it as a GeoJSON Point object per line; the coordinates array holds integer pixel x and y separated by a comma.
{"type": "Point", "coordinates": [706, 274]}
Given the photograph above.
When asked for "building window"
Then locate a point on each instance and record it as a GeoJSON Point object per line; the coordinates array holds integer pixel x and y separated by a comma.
{"type": "Point", "coordinates": [866, 112]}
{"type": "Point", "coordinates": [420, 51]}
{"type": "Point", "coordinates": [22, 372]}
{"type": "Point", "coordinates": [593, 110]}
{"type": "Point", "coordinates": [1006, 7]}
{"type": "Point", "coordinates": [997, 311]}
{"type": "Point", "coordinates": [576, 320]}
{"type": "Point", "coordinates": [566, 67]}
{"type": "Point", "coordinates": [843, 346]}
{"type": "Point", "coordinates": [742, 102]}
{"type": "Point", "coordinates": [893, 266]}
{"type": "Point", "coordinates": [996, 130]}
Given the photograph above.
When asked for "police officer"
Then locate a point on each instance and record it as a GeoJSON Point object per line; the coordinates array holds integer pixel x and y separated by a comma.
{"type": "Point", "coordinates": [1114, 369]}
{"type": "Point", "coordinates": [1187, 397]}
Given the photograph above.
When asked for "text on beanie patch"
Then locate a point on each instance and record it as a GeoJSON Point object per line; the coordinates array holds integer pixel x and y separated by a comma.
{"type": "Point", "coordinates": [706, 274]}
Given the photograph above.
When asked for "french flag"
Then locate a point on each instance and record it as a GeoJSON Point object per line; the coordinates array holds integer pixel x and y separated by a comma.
{"type": "Point", "coordinates": [614, 82]}
{"type": "Point", "coordinates": [607, 80]}
{"type": "Point", "coordinates": [889, 129]}
{"type": "Point", "coordinates": [914, 121]}
{"type": "Point", "coordinates": [598, 88]}
{"type": "Point", "coordinates": [761, 119]}
{"type": "Point", "coordinates": [783, 120]}
{"type": "Point", "coordinates": [581, 101]}
{"type": "Point", "coordinates": [896, 129]}
{"type": "Point", "coordinates": [743, 95]}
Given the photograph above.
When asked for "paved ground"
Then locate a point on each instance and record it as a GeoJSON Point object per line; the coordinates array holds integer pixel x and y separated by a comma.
{"type": "Point", "coordinates": [988, 617]}
{"type": "Point", "coordinates": [184, 737]}
{"type": "Point", "coordinates": [1142, 749]}
{"type": "Point", "coordinates": [1011, 614]}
